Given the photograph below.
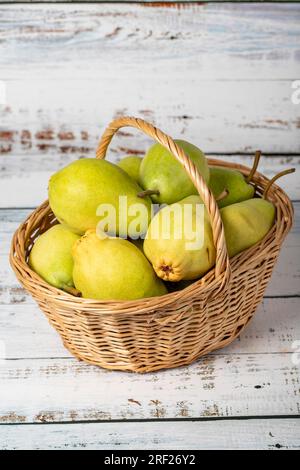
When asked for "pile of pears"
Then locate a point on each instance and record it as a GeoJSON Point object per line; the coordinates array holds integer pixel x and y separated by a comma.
{"type": "Point", "coordinates": [75, 256]}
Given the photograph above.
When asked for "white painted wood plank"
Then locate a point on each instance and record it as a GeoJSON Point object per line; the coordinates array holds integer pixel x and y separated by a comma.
{"type": "Point", "coordinates": [268, 434]}
{"type": "Point", "coordinates": [26, 333]}
{"type": "Point", "coordinates": [217, 385]}
{"type": "Point", "coordinates": [184, 66]}
{"type": "Point", "coordinates": [24, 179]}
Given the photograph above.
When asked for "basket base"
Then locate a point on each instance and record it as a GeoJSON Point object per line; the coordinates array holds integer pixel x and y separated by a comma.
{"type": "Point", "coordinates": [144, 369]}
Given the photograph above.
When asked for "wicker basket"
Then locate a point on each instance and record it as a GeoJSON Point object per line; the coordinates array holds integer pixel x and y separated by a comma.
{"type": "Point", "coordinates": [177, 328]}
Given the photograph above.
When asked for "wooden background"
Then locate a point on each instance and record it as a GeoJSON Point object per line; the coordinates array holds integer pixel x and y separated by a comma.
{"type": "Point", "coordinates": [217, 74]}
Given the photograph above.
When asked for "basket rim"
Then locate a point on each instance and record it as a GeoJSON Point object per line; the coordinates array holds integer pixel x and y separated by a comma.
{"type": "Point", "coordinates": [146, 305]}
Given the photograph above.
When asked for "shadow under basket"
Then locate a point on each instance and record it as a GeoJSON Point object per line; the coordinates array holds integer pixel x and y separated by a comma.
{"type": "Point", "coordinates": [175, 329]}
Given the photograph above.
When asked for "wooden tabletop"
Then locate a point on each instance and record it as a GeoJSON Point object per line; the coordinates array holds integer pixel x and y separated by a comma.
{"type": "Point", "coordinates": [219, 75]}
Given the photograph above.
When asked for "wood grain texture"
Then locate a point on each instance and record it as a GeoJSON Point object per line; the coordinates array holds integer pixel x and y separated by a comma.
{"type": "Point", "coordinates": [269, 434]}
{"type": "Point", "coordinates": [57, 390]}
{"type": "Point", "coordinates": [285, 279]}
{"type": "Point", "coordinates": [183, 69]}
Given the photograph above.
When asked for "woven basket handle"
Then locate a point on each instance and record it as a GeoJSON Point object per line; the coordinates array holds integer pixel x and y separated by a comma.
{"type": "Point", "coordinates": [222, 260]}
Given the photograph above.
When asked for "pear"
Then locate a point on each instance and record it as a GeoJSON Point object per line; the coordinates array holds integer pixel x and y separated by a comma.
{"type": "Point", "coordinates": [165, 177]}
{"type": "Point", "coordinates": [230, 182]}
{"type": "Point", "coordinates": [131, 165]}
{"type": "Point", "coordinates": [80, 190]}
{"type": "Point", "coordinates": [168, 247]}
{"type": "Point", "coordinates": [139, 243]}
{"type": "Point", "coordinates": [175, 248]}
{"type": "Point", "coordinates": [51, 256]}
{"type": "Point", "coordinates": [113, 268]}
{"type": "Point", "coordinates": [246, 223]}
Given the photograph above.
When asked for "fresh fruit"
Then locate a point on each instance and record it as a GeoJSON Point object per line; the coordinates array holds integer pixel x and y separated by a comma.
{"type": "Point", "coordinates": [131, 165]}
{"type": "Point", "coordinates": [231, 183]}
{"type": "Point", "coordinates": [161, 173]}
{"type": "Point", "coordinates": [182, 248]}
{"type": "Point", "coordinates": [246, 223]}
{"type": "Point", "coordinates": [167, 247]}
{"type": "Point", "coordinates": [51, 256]}
{"type": "Point", "coordinates": [113, 268]}
{"type": "Point", "coordinates": [87, 187]}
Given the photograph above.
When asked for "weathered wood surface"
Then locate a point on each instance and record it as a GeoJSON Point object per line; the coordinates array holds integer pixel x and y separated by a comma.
{"type": "Point", "coordinates": [183, 69]}
{"type": "Point", "coordinates": [269, 434]}
{"type": "Point", "coordinates": [24, 180]}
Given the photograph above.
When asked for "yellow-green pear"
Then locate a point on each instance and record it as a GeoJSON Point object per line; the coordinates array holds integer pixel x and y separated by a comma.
{"type": "Point", "coordinates": [161, 173]}
{"type": "Point", "coordinates": [246, 223]}
{"type": "Point", "coordinates": [89, 191]}
{"type": "Point", "coordinates": [113, 268]}
{"type": "Point", "coordinates": [131, 165]}
{"type": "Point", "coordinates": [51, 256]}
{"type": "Point", "coordinates": [179, 241]}
{"type": "Point", "coordinates": [231, 183]}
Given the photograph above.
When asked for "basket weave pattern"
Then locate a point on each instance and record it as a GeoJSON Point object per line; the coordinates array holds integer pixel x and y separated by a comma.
{"type": "Point", "coordinates": [175, 329]}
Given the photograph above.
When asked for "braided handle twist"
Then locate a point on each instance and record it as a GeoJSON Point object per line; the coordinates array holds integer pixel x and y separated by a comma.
{"type": "Point", "coordinates": [222, 260]}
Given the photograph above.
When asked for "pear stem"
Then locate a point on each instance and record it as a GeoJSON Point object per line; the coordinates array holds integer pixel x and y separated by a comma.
{"type": "Point", "coordinates": [222, 195]}
{"type": "Point", "coordinates": [148, 192]}
{"type": "Point", "coordinates": [279, 175]}
{"type": "Point", "coordinates": [254, 166]}
{"type": "Point", "coordinates": [72, 291]}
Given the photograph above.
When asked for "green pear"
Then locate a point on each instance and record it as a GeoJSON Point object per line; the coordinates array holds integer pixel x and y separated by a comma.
{"type": "Point", "coordinates": [131, 165]}
{"type": "Point", "coordinates": [81, 192]}
{"type": "Point", "coordinates": [167, 245]}
{"type": "Point", "coordinates": [174, 243]}
{"type": "Point", "coordinates": [113, 268]}
{"type": "Point", "coordinates": [51, 256]}
{"type": "Point", "coordinates": [246, 223]}
{"type": "Point", "coordinates": [230, 182]}
{"type": "Point", "coordinates": [161, 173]}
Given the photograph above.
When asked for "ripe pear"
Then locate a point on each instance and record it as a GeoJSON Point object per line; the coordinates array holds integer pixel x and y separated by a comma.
{"type": "Point", "coordinates": [163, 174]}
{"type": "Point", "coordinates": [79, 189]}
{"type": "Point", "coordinates": [51, 256]}
{"type": "Point", "coordinates": [246, 223]}
{"type": "Point", "coordinates": [131, 165]}
{"type": "Point", "coordinates": [175, 248]}
{"type": "Point", "coordinates": [113, 268]}
{"type": "Point", "coordinates": [232, 182]}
